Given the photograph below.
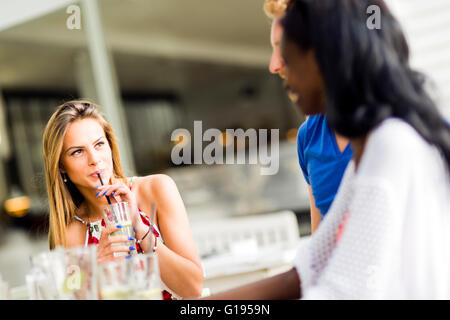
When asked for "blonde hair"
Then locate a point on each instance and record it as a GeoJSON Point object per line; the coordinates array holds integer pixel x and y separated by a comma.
{"type": "Point", "coordinates": [274, 8]}
{"type": "Point", "coordinates": [63, 197]}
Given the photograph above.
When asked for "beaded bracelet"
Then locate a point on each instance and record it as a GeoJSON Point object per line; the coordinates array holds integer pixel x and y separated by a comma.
{"type": "Point", "coordinates": [139, 241]}
{"type": "Point", "coordinates": [156, 239]}
{"type": "Point", "coordinates": [156, 244]}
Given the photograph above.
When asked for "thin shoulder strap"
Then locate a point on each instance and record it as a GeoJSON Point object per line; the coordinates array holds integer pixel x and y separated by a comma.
{"type": "Point", "coordinates": [131, 181]}
{"type": "Point", "coordinates": [79, 219]}
{"type": "Point", "coordinates": [88, 230]}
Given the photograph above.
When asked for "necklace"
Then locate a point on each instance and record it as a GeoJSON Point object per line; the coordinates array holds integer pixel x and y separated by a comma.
{"type": "Point", "coordinates": [83, 209]}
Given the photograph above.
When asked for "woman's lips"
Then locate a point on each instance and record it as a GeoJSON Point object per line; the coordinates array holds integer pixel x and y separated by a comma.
{"type": "Point", "coordinates": [95, 174]}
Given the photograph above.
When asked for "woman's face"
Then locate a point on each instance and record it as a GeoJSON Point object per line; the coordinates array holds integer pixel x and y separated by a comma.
{"type": "Point", "coordinates": [85, 153]}
{"type": "Point", "coordinates": [303, 78]}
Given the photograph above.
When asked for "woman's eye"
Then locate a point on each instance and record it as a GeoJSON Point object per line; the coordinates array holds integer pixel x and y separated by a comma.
{"type": "Point", "coordinates": [76, 152]}
{"type": "Point", "coordinates": [100, 144]}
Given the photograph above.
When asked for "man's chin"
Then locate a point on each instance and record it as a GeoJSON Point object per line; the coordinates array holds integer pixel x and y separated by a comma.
{"type": "Point", "coordinates": [306, 111]}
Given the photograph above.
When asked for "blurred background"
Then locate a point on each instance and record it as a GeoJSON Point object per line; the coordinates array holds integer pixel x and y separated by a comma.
{"type": "Point", "coordinates": [155, 66]}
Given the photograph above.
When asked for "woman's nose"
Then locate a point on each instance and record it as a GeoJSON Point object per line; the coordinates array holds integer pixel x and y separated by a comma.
{"type": "Point", "coordinates": [94, 158]}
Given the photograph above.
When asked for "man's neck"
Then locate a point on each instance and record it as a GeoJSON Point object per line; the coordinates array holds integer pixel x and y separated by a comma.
{"type": "Point", "coordinates": [358, 145]}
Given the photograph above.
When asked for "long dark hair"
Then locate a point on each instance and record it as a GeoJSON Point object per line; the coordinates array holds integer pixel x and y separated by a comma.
{"type": "Point", "coordinates": [366, 70]}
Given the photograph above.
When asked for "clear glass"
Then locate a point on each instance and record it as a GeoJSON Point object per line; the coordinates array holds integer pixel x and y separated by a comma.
{"type": "Point", "coordinates": [47, 276]}
{"type": "Point", "coordinates": [64, 274]}
{"type": "Point", "coordinates": [119, 213]}
{"type": "Point", "coordinates": [31, 282]}
{"type": "Point", "coordinates": [41, 285]}
{"type": "Point", "coordinates": [116, 280]}
{"type": "Point", "coordinates": [146, 277]}
{"type": "Point", "coordinates": [81, 272]}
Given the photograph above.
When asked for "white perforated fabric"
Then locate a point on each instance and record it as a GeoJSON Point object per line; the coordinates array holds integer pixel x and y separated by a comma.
{"type": "Point", "coordinates": [386, 235]}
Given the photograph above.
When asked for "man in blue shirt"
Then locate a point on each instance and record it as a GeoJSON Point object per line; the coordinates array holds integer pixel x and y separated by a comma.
{"type": "Point", "coordinates": [323, 158]}
{"type": "Point", "coordinates": [323, 155]}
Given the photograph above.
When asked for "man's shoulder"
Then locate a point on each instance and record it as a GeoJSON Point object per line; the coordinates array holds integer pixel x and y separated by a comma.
{"type": "Point", "coordinates": [309, 128]}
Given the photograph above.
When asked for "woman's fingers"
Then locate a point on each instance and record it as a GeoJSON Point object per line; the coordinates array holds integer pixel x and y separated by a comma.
{"type": "Point", "coordinates": [106, 190]}
{"type": "Point", "coordinates": [110, 188]}
{"type": "Point", "coordinates": [107, 239]}
{"type": "Point", "coordinates": [110, 244]}
{"type": "Point", "coordinates": [118, 248]}
{"type": "Point", "coordinates": [119, 239]}
{"type": "Point", "coordinates": [107, 253]}
{"type": "Point", "coordinates": [107, 231]}
{"type": "Point", "coordinates": [113, 191]}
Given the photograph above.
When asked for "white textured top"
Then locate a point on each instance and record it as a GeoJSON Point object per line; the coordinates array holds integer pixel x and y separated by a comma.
{"type": "Point", "coordinates": [387, 233]}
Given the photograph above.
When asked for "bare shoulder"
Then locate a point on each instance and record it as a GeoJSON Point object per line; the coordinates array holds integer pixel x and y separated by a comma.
{"type": "Point", "coordinates": [75, 234]}
{"type": "Point", "coordinates": [153, 185]}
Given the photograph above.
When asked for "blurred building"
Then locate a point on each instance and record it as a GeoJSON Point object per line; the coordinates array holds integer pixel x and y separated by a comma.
{"type": "Point", "coordinates": [168, 64]}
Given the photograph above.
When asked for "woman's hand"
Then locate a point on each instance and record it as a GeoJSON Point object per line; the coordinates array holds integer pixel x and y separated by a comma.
{"type": "Point", "coordinates": [120, 192]}
{"type": "Point", "coordinates": [106, 245]}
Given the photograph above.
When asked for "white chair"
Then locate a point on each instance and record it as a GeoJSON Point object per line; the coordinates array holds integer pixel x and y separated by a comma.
{"type": "Point", "coordinates": [238, 250]}
{"type": "Point", "coordinates": [220, 236]}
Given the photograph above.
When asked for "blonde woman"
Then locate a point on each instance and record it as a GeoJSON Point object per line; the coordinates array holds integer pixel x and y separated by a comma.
{"type": "Point", "coordinates": [79, 144]}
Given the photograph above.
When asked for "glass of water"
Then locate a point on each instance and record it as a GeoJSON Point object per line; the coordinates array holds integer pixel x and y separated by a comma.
{"type": "Point", "coordinates": [146, 277]}
{"type": "Point", "coordinates": [116, 280]}
{"type": "Point", "coordinates": [47, 275]}
{"type": "Point", "coordinates": [81, 272]}
{"type": "Point", "coordinates": [119, 213]}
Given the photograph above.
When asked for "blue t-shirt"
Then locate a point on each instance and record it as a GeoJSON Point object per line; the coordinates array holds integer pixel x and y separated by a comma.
{"type": "Point", "coordinates": [322, 163]}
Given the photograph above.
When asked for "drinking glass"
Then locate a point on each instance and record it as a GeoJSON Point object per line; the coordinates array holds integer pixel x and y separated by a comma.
{"type": "Point", "coordinates": [41, 285]}
{"type": "Point", "coordinates": [146, 277]}
{"type": "Point", "coordinates": [47, 275]}
{"type": "Point", "coordinates": [81, 272]}
{"type": "Point", "coordinates": [118, 213]}
{"type": "Point", "coordinates": [115, 280]}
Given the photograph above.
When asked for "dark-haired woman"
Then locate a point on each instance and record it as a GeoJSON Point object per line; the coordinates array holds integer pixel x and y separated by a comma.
{"type": "Point", "coordinates": [386, 233]}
